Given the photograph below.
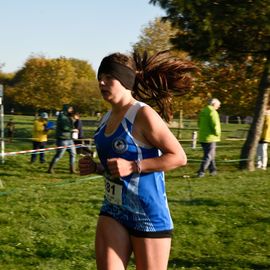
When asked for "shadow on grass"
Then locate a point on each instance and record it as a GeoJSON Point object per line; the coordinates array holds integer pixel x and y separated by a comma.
{"type": "Point", "coordinates": [216, 263]}
{"type": "Point", "coordinates": [177, 263]}
{"type": "Point", "coordinates": [264, 220]}
{"type": "Point", "coordinates": [193, 202]}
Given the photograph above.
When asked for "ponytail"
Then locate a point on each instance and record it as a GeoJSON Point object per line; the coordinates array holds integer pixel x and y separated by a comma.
{"type": "Point", "coordinates": [159, 78]}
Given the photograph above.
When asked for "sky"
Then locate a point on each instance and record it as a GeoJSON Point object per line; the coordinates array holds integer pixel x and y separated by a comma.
{"type": "Point", "coordinates": [83, 29]}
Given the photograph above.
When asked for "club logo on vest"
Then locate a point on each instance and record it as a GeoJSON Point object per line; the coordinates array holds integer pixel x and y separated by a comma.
{"type": "Point", "coordinates": [120, 145]}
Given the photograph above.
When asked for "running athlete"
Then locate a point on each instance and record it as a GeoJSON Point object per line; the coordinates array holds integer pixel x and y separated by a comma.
{"type": "Point", "coordinates": [135, 148]}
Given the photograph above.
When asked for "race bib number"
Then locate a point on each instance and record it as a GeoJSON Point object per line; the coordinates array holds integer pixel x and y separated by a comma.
{"type": "Point", "coordinates": [113, 191]}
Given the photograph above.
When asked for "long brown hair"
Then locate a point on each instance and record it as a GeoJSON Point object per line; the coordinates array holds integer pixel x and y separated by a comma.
{"type": "Point", "coordinates": [158, 78]}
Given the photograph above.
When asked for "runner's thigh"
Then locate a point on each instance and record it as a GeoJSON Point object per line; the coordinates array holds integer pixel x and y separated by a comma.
{"type": "Point", "coordinates": [113, 247]}
{"type": "Point", "coordinates": [151, 253]}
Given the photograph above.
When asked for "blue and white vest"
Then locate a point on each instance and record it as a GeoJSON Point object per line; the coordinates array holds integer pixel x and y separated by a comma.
{"type": "Point", "coordinates": [137, 201]}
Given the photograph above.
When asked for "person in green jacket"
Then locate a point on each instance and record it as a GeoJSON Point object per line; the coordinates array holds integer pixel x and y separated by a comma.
{"type": "Point", "coordinates": [209, 135]}
{"type": "Point", "coordinates": [262, 156]}
{"type": "Point", "coordinates": [64, 130]}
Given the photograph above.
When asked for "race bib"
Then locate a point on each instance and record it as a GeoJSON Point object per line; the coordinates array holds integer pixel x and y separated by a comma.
{"type": "Point", "coordinates": [113, 191]}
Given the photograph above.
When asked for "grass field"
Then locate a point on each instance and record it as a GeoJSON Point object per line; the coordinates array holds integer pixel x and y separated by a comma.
{"type": "Point", "coordinates": [48, 221]}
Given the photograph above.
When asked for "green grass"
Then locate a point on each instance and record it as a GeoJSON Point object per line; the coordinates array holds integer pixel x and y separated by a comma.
{"type": "Point", "coordinates": [48, 221]}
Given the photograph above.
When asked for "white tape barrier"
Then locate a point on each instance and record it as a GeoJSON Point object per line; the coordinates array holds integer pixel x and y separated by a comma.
{"type": "Point", "coordinates": [45, 149]}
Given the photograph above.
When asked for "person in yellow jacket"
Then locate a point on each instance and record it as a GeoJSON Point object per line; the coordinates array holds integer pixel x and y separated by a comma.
{"type": "Point", "coordinates": [40, 137]}
{"type": "Point", "coordinates": [262, 156]}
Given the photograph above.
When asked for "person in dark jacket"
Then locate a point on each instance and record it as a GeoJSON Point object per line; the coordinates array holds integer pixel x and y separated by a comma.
{"type": "Point", "coordinates": [10, 127]}
{"type": "Point", "coordinates": [78, 125]}
{"type": "Point", "coordinates": [78, 136]}
{"type": "Point", "coordinates": [64, 130]}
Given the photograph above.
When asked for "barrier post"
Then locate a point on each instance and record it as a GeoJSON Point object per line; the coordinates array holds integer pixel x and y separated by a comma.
{"type": "Point", "coordinates": [2, 123]}
{"type": "Point", "coordinates": [194, 139]}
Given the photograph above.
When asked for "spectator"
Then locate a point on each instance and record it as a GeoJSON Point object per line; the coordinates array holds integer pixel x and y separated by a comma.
{"type": "Point", "coordinates": [78, 126]}
{"type": "Point", "coordinates": [64, 129]}
{"type": "Point", "coordinates": [209, 134]}
{"type": "Point", "coordinates": [78, 133]}
{"type": "Point", "coordinates": [10, 127]}
{"type": "Point", "coordinates": [262, 155]}
{"type": "Point", "coordinates": [40, 137]}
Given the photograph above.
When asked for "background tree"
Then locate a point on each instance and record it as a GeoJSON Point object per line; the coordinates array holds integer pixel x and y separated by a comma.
{"type": "Point", "coordinates": [43, 83]}
{"type": "Point", "coordinates": [47, 84]}
{"type": "Point", "coordinates": [234, 83]}
{"type": "Point", "coordinates": [85, 92]}
{"type": "Point", "coordinates": [5, 80]}
{"type": "Point", "coordinates": [223, 30]}
{"type": "Point", "coordinates": [223, 80]}
{"type": "Point", "coordinates": [155, 37]}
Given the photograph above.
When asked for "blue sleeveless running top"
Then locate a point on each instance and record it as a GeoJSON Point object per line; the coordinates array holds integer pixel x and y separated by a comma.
{"type": "Point", "coordinates": [137, 201]}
